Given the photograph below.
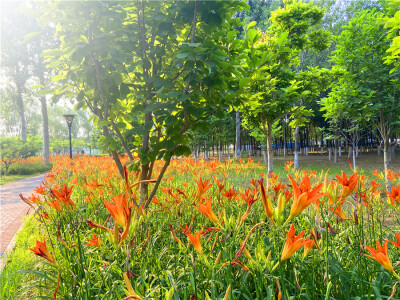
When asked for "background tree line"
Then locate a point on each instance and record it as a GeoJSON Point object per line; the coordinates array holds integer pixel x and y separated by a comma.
{"type": "Point", "coordinates": [163, 79]}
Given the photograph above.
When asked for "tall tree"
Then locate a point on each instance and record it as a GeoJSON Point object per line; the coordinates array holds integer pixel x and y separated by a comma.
{"type": "Point", "coordinates": [368, 93]}
{"type": "Point", "coordinates": [149, 71]}
{"type": "Point", "coordinates": [15, 54]}
{"type": "Point", "coordinates": [271, 62]}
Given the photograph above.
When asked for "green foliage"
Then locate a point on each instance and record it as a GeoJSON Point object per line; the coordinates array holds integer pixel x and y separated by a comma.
{"type": "Point", "coordinates": [13, 148]}
{"type": "Point", "coordinates": [366, 92]}
{"type": "Point", "coordinates": [14, 282]}
{"type": "Point", "coordinates": [62, 146]}
{"type": "Point", "coordinates": [152, 91]}
{"type": "Point", "coordinates": [394, 24]}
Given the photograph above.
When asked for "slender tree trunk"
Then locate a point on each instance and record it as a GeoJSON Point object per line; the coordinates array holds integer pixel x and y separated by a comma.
{"type": "Point", "coordinates": [220, 151]}
{"type": "Point", "coordinates": [20, 105]}
{"type": "Point", "coordinates": [296, 148]}
{"type": "Point", "coordinates": [145, 168]}
{"type": "Point", "coordinates": [335, 158]}
{"type": "Point", "coordinates": [114, 154]}
{"type": "Point", "coordinates": [270, 150]}
{"type": "Point", "coordinates": [386, 149]}
{"type": "Point", "coordinates": [237, 154]}
{"type": "Point", "coordinates": [284, 139]}
{"type": "Point", "coordinates": [46, 138]}
{"type": "Point", "coordinates": [354, 153]}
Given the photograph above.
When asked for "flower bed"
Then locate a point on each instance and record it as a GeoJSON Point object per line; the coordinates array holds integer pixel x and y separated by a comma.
{"type": "Point", "coordinates": [215, 230]}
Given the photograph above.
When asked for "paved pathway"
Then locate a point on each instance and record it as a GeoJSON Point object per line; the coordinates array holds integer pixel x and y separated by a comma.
{"type": "Point", "coordinates": [12, 208]}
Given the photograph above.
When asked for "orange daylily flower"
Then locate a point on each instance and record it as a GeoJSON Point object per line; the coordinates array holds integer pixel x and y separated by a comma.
{"type": "Point", "coordinates": [202, 187]}
{"type": "Point", "coordinates": [41, 189]}
{"type": "Point", "coordinates": [41, 250]}
{"type": "Point", "coordinates": [380, 255]}
{"type": "Point", "coordinates": [206, 210]}
{"type": "Point", "coordinates": [27, 200]}
{"type": "Point", "coordinates": [155, 201]}
{"type": "Point", "coordinates": [33, 198]}
{"type": "Point", "coordinates": [95, 184]}
{"type": "Point", "coordinates": [364, 199]}
{"type": "Point", "coordinates": [338, 209]}
{"type": "Point", "coordinates": [278, 187]}
{"type": "Point", "coordinates": [303, 195]}
{"type": "Point", "coordinates": [95, 241]}
{"type": "Point", "coordinates": [195, 240]}
{"type": "Point", "coordinates": [56, 204]}
{"type": "Point", "coordinates": [64, 194]}
{"type": "Point", "coordinates": [248, 195]}
{"type": "Point", "coordinates": [394, 195]}
{"type": "Point", "coordinates": [288, 195]}
{"type": "Point", "coordinates": [374, 185]}
{"type": "Point", "coordinates": [253, 182]}
{"type": "Point", "coordinates": [398, 240]}
{"type": "Point", "coordinates": [308, 247]}
{"type": "Point", "coordinates": [273, 176]}
{"type": "Point", "coordinates": [348, 185]}
{"type": "Point", "coordinates": [230, 194]}
{"type": "Point", "coordinates": [288, 164]}
{"type": "Point", "coordinates": [293, 243]}
{"type": "Point", "coordinates": [390, 175]}
{"type": "Point", "coordinates": [175, 236]}
{"type": "Point", "coordinates": [375, 173]}
{"type": "Point", "coordinates": [118, 209]}
{"type": "Point", "coordinates": [220, 185]}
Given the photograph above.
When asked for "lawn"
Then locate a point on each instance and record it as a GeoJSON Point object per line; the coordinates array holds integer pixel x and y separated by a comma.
{"type": "Point", "coordinates": [11, 178]}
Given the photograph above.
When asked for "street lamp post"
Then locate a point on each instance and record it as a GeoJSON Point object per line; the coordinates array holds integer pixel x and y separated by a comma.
{"type": "Point", "coordinates": [69, 118]}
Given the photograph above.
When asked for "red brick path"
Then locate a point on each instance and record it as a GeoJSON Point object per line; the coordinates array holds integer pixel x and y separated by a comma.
{"type": "Point", "coordinates": [12, 208]}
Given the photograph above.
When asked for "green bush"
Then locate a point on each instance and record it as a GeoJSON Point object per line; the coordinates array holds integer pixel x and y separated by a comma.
{"type": "Point", "coordinates": [29, 168]}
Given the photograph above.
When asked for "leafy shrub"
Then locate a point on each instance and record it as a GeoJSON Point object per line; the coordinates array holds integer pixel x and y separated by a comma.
{"type": "Point", "coordinates": [13, 149]}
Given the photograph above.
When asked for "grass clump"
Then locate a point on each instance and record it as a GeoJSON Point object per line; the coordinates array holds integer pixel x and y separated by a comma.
{"type": "Point", "coordinates": [15, 282]}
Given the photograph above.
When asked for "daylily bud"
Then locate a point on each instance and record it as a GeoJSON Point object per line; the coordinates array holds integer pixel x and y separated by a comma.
{"type": "Point", "coordinates": [218, 258]}
{"type": "Point", "coordinates": [170, 294]}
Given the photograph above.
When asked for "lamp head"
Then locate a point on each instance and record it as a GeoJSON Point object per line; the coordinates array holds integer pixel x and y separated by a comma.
{"type": "Point", "coordinates": [69, 118]}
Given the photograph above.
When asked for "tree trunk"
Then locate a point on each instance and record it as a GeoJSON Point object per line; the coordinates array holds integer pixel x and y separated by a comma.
{"type": "Point", "coordinates": [114, 154]}
{"type": "Point", "coordinates": [296, 148]}
{"type": "Point", "coordinates": [354, 153]}
{"type": "Point", "coordinates": [145, 169]}
{"type": "Point", "coordinates": [335, 157]}
{"type": "Point", "coordinates": [284, 139]}
{"type": "Point", "coordinates": [21, 108]}
{"type": "Point", "coordinates": [205, 151]}
{"type": "Point", "coordinates": [270, 150]}
{"type": "Point", "coordinates": [237, 154]}
{"type": "Point", "coordinates": [46, 139]}
{"type": "Point", "coordinates": [386, 149]}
